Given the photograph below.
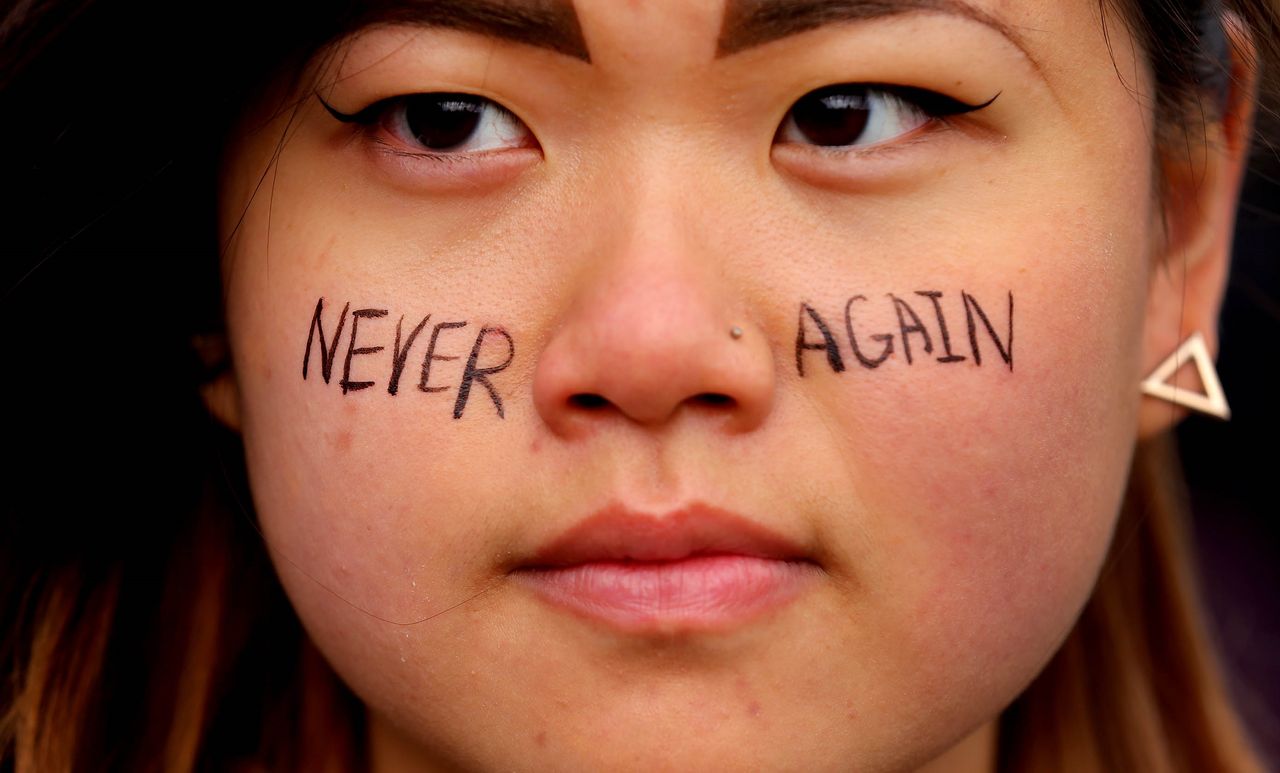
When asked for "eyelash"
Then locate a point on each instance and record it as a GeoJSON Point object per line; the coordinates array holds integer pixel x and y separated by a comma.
{"type": "Point", "coordinates": [933, 106]}
{"type": "Point", "coordinates": [371, 117]}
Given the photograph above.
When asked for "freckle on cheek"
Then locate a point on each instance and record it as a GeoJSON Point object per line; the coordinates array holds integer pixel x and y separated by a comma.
{"type": "Point", "coordinates": [341, 441]}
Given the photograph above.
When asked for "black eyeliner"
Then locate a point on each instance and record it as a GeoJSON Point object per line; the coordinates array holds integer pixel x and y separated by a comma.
{"type": "Point", "coordinates": [933, 103]}
{"type": "Point", "coordinates": [365, 116]}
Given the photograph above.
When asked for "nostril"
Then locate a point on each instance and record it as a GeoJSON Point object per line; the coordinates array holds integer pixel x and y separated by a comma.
{"type": "Point", "coordinates": [714, 398]}
{"type": "Point", "coordinates": [587, 400]}
{"type": "Point", "coordinates": [591, 401]}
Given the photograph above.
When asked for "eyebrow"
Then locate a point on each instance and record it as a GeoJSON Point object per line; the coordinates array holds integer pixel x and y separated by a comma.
{"type": "Point", "coordinates": [554, 25]}
{"type": "Point", "coordinates": [750, 23]}
{"type": "Point", "coordinates": [549, 24]}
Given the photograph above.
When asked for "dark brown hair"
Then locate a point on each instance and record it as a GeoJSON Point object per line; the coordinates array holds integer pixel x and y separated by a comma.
{"type": "Point", "coordinates": [143, 625]}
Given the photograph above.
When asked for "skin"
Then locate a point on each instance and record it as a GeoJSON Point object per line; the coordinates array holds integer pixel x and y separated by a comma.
{"type": "Point", "coordinates": [960, 514]}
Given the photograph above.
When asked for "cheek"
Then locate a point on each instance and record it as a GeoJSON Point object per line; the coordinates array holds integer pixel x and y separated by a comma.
{"type": "Point", "coordinates": [351, 480]}
{"type": "Point", "coordinates": [378, 509]}
{"type": "Point", "coordinates": [986, 496]}
{"type": "Point", "coordinates": [363, 496]}
{"type": "Point", "coordinates": [367, 499]}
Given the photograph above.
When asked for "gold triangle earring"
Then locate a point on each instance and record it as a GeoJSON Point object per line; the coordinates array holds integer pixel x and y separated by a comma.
{"type": "Point", "coordinates": [1213, 402]}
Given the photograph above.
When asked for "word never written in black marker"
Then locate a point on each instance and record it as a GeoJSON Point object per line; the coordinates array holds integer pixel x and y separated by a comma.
{"type": "Point", "coordinates": [471, 374]}
{"type": "Point", "coordinates": [909, 324]}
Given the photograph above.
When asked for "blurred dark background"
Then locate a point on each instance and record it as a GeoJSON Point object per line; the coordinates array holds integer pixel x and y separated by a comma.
{"type": "Point", "coordinates": [1233, 468]}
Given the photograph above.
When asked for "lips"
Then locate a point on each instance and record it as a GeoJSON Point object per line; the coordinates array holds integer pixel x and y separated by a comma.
{"type": "Point", "coordinates": [699, 567]}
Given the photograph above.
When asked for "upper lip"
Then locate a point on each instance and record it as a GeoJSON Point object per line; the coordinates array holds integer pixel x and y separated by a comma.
{"type": "Point", "coordinates": [617, 533]}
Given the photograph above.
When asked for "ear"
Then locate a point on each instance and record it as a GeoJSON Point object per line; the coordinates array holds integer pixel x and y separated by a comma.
{"type": "Point", "coordinates": [1190, 264]}
{"type": "Point", "coordinates": [218, 390]}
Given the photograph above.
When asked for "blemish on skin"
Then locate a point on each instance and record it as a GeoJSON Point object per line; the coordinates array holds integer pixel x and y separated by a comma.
{"type": "Point", "coordinates": [753, 709]}
{"type": "Point", "coordinates": [341, 441]}
{"type": "Point", "coordinates": [541, 738]}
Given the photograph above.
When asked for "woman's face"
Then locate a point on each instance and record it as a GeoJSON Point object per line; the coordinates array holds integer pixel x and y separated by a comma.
{"type": "Point", "coordinates": [459, 333]}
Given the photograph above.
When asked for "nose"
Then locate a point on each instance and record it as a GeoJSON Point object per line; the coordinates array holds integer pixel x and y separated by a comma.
{"type": "Point", "coordinates": [652, 331]}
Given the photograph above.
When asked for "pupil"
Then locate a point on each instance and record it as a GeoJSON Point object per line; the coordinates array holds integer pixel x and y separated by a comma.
{"type": "Point", "coordinates": [835, 115]}
{"type": "Point", "coordinates": [441, 121]}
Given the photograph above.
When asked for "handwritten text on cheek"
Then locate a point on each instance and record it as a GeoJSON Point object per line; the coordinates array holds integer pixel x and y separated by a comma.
{"type": "Point", "coordinates": [487, 338]}
{"type": "Point", "coordinates": [909, 324]}
{"type": "Point", "coordinates": [883, 347]}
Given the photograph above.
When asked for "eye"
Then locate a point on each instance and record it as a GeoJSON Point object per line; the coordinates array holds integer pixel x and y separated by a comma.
{"type": "Point", "coordinates": [442, 124]}
{"type": "Point", "coordinates": [859, 115]}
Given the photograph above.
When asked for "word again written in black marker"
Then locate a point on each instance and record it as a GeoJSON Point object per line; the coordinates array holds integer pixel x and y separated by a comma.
{"type": "Point", "coordinates": [471, 373]}
{"type": "Point", "coordinates": [871, 350]}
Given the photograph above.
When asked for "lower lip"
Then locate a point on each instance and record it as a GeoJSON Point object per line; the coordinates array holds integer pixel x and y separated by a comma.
{"type": "Point", "coordinates": [708, 592]}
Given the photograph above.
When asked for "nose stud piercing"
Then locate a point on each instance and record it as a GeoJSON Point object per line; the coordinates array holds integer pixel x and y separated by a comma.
{"type": "Point", "coordinates": [735, 331]}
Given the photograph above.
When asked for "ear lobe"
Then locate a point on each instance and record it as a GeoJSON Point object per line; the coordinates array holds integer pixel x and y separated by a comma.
{"type": "Point", "coordinates": [1192, 254]}
{"type": "Point", "coordinates": [222, 398]}
{"type": "Point", "coordinates": [220, 393]}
